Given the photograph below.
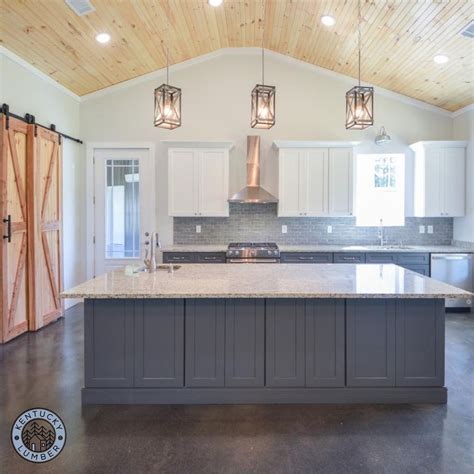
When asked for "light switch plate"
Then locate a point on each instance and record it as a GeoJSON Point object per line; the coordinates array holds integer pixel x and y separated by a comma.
{"type": "Point", "coordinates": [198, 229]}
{"type": "Point", "coordinates": [329, 229]}
{"type": "Point", "coordinates": [284, 229]}
{"type": "Point", "coordinates": [422, 229]}
{"type": "Point", "coordinates": [430, 229]}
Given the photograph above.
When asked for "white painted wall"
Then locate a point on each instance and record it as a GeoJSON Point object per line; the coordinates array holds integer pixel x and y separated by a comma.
{"type": "Point", "coordinates": [463, 129]}
{"type": "Point", "coordinates": [26, 91]}
{"type": "Point", "coordinates": [310, 105]}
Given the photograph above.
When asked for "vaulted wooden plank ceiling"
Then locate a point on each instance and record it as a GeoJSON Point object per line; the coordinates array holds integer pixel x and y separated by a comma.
{"type": "Point", "coordinates": [400, 38]}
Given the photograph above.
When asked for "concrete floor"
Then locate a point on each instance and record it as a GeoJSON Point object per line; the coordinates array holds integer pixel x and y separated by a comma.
{"type": "Point", "coordinates": [46, 369]}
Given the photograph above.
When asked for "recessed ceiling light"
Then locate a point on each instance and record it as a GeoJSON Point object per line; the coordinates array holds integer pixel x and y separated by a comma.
{"type": "Point", "coordinates": [103, 38]}
{"type": "Point", "coordinates": [328, 20]}
{"type": "Point", "coordinates": [440, 59]}
{"type": "Point", "coordinates": [215, 3]}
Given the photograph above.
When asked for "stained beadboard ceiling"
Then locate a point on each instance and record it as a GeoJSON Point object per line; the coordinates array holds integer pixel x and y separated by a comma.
{"type": "Point", "coordinates": [400, 38]}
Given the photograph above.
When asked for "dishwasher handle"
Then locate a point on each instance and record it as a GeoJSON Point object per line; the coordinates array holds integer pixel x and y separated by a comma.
{"type": "Point", "coordinates": [461, 256]}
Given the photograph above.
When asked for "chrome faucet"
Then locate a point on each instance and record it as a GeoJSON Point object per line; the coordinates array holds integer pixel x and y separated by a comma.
{"type": "Point", "coordinates": [381, 233]}
{"type": "Point", "coordinates": [152, 246]}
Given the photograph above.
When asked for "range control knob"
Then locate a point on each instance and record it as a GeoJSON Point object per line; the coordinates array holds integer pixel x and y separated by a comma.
{"type": "Point", "coordinates": [269, 252]}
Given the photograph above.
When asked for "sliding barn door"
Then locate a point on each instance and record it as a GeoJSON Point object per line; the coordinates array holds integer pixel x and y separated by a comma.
{"type": "Point", "coordinates": [14, 246]}
{"type": "Point", "coordinates": [46, 230]}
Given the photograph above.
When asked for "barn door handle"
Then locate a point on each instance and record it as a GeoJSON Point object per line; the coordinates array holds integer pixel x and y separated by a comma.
{"type": "Point", "coordinates": [8, 221]}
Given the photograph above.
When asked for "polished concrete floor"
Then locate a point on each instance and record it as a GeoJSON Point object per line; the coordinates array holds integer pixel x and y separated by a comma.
{"type": "Point", "coordinates": [45, 369]}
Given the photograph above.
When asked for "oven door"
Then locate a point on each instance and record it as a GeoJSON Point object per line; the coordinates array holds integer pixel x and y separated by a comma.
{"type": "Point", "coordinates": [253, 260]}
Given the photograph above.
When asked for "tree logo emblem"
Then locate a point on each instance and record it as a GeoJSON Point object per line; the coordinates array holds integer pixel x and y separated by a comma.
{"type": "Point", "coordinates": [38, 435]}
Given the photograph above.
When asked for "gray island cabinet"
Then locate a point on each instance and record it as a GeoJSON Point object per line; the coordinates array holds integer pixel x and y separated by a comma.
{"type": "Point", "coordinates": [265, 334]}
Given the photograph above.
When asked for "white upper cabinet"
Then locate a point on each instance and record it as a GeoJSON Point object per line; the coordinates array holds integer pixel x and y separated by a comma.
{"type": "Point", "coordinates": [440, 178]}
{"type": "Point", "coordinates": [314, 180]}
{"type": "Point", "coordinates": [340, 181]}
{"type": "Point", "coordinates": [198, 182]}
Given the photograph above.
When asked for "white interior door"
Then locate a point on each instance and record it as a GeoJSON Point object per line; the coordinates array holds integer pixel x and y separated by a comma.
{"type": "Point", "coordinates": [124, 206]}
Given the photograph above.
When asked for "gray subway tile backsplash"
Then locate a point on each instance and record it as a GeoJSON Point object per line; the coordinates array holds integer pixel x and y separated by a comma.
{"type": "Point", "coordinates": [260, 223]}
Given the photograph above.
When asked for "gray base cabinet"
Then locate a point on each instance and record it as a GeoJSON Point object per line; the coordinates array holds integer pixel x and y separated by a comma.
{"type": "Point", "coordinates": [205, 320]}
{"type": "Point", "coordinates": [420, 343]}
{"type": "Point", "coordinates": [285, 343]}
{"type": "Point", "coordinates": [108, 343]}
{"type": "Point", "coordinates": [370, 342]}
{"type": "Point", "coordinates": [245, 343]}
{"type": "Point", "coordinates": [159, 343]}
{"type": "Point", "coordinates": [264, 351]}
{"type": "Point", "coordinates": [325, 343]}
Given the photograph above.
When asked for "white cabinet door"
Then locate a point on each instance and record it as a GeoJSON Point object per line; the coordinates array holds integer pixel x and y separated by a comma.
{"type": "Point", "coordinates": [183, 199]}
{"type": "Point", "coordinates": [289, 183]}
{"type": "Point", "coordinates": [314, 182]}
{"type": "Point", "coordinates": [453, 188]}
{"type": "Point", "coordinates": [213, 183]}
{"type": "Point", "coordinates": [434, 183]}
{"type": "Point", "coordinates": [340, 181]}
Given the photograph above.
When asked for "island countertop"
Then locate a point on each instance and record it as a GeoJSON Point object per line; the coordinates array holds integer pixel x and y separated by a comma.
{"type": "Point", "coordinates": [266, 281]}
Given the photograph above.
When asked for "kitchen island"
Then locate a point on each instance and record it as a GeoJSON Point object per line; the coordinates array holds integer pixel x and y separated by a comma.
{"type": "Point", "coordinates": [264, 334]}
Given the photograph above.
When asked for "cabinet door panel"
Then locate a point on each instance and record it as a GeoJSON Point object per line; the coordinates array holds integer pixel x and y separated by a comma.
{"type": "Point", "coordinates": [313, 182]}
{"type": "Point", "coordinates": [108, 339]}
{"type": "Point", "coordinates": [325, 340]}
{"type": "Point", "coordinates": [370, 342]}
{"type": "Point", "coordinates": [289, 183]}
{"type": "Point", "coordinates": [434, 184]}
{"type": "Point", "coordinates": [205, 323]}
{"type": "Point", "coordinates": [182, 183]}
{"type": "Point", "coordinates": [285, 343]}
{"type": "Point", "coordinates": [159, 343]}
{"type": "Point", "coordinates": [340, 181]}
{"type": "Point", "coordinates": [213, 183]}
{"type": "Point", "coordinates": [454, 176]}
{"type": "Point", "coordinates": [420, 343]}
{"type": "Point", "coordinates": [245, 344]}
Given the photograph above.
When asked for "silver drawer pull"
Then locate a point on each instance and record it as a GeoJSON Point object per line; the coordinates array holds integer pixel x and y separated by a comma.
{"type": "Point", "coordinates": [348, 258]}
{"type": "Point", "coordinates": [306, 258]}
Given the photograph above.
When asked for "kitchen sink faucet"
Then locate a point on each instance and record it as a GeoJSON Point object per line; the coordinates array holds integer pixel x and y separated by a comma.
{"type": "Point", "coordinates": [381, 233]}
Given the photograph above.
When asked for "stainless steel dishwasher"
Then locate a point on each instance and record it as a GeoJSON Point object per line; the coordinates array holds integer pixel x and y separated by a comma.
{"type": "Point", "coordinates": [457, 270]}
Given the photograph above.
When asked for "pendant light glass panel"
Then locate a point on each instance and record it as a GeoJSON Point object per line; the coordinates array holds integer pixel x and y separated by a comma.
{"type": "Point", "coordinates": [359, 108]}
{"type": "Point", "coordinates": [263, 106]}
{"type": "Point", "coordinates": [167, 107]}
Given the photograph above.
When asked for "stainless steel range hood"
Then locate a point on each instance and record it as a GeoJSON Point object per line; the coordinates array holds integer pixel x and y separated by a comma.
{"type": "Point", "coordinates": [253, 193]}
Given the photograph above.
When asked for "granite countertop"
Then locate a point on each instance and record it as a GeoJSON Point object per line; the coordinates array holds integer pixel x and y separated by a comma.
{"type": "Point", "coordinates": [328, 248]}
{"type": "Point", "coordinates": [267, 281]}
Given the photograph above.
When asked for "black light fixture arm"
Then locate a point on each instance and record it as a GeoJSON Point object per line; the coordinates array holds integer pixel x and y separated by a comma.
{"type": "Point", "coordinates": [30, 119]}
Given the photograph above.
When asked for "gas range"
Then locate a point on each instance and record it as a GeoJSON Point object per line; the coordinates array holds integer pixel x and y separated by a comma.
{"type": "Point", "coordinates": [251, 252]}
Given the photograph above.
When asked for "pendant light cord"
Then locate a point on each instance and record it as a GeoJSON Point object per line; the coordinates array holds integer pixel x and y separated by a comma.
{"type": "Point", "coordinates": [359, 35]}
{"type": "Point", "coordinates": [263, 44]}
{"type": "Point", "coordinates": [167, 44]}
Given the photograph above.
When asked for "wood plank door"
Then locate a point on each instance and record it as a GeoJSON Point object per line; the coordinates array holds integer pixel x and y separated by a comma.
{"type": "Point", "coordinates": [13, 205]}
{"type": "Point", "coordinates": [46, 228]}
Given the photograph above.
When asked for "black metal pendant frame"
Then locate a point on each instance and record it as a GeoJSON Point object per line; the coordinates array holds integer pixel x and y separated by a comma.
{"type": "Point", "coordinates": [359, 108]}
{"type": "Point", "coordinates": [263, 106]}
{"type": "Point", "coordinates": [167, 107]}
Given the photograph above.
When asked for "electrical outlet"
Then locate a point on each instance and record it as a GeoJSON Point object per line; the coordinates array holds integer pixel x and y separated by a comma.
{"type": "Point", "coordinates": [329, 229]}
{"type": "Point", "coordinates": [284, 229]}
{"type": "Point", "coordinates": [430, 229]}
{"type": "Point", "coordinates": [422, 229]}
{"type": "Point", "coordinates": [198, 229]}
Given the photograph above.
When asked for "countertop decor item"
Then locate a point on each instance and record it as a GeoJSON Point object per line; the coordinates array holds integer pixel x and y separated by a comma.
{"type": "Point", "coordinates": [359, 100]}
{"type": "Point", "coordinates": [167, 100]}
{"type": "Point", "coordinates": [263, 96]}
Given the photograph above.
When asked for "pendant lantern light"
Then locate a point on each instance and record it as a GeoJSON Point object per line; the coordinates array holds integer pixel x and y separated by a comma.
{"type": "Point", "coordinates": [263, 96]}
{"type": "Point", "coordinates": [167, 101]}
{"type": "Point", "coordinates": [359, 100]}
